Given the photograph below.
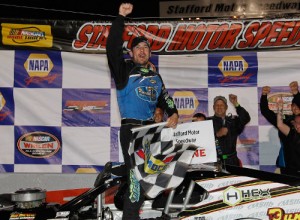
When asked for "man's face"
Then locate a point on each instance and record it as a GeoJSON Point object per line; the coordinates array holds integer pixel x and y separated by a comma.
{"type": "Point", "coordinates": [295, 109]}
{"type": "Point", "coordinates": [220, 108]}
{"type": "Point", "coordinates": [297, 123]}
{"type": "Point", "coordinates": [158, 115]}
{"type": "Point", "coordinates": [141, 54]}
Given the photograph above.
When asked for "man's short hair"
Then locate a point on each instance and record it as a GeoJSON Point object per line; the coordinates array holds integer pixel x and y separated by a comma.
{"type": "Point", "coordinates": [219, 97]}
{"type": "Point", "coordinates": [199, 115]}
{"type": "Point", "coordinates": [138, 40]}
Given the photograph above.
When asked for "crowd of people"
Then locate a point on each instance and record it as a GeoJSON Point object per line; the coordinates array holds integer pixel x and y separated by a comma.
{"type": "Point", "coordinates": [143, 99]}
{"type": "Point", "coordinates": [228, 127]}
{"type": "Point", "coordinates": [287, 152]}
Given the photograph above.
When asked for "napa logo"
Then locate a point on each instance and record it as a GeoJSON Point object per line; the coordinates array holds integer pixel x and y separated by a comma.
{"type": "Point", "coordinates": [186, 102]}
{"type": "Point", "coordinates": [38, 65]}
{"type": "Point", "coordinates": [233, 66]}
{"type": "Point", "coordinates": [4, 113]}
{"type": "Point", "coordinates": [2, 101]}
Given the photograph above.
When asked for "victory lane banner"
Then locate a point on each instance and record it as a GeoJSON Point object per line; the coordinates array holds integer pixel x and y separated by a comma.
{"type": "Point", "coordinates": [199, 133]}
{"type": "Point", "coordinates": [167, 37]}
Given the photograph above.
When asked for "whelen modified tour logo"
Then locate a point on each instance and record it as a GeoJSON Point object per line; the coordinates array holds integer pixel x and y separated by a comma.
{"type": "Point", "coordinates": [199, 36]}
{"type": "Point", "coordinates": [38, 144]}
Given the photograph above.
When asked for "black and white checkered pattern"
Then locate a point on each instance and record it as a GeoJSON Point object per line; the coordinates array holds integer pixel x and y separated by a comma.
{"type": "Point", "coordinates": [88, 140]}
{"type": "Point", "coordinates": [149, 150]}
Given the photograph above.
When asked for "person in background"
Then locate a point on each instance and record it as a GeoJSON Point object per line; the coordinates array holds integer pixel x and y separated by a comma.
{"type": "Point", "coordinates": [140, 89]}
{"type": "Point", "coordinates": [158, 115]}
{"type": "Point", "coordinates": [292, 146]}
{"type": "Point", "coordinates": [271, 117]}
{"type": "Point", "coordinates": [199, 117]}
{"type": "Point", "coordinates": [227, 128]}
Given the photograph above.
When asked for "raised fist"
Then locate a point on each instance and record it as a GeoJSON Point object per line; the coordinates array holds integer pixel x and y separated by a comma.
{"type": "Point", "coordinates": [266, 90]}
{"type": "Point", "coordinates": [294, 87]}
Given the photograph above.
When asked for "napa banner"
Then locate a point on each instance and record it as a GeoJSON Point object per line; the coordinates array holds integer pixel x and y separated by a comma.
{"type": "Point", "coordinates": [58, 107]}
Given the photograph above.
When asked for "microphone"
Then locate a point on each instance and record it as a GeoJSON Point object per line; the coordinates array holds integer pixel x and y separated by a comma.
{"type": "Point", "coordinates": [220, 161]}
{"type": "Point", "coordinates": [224, 122]}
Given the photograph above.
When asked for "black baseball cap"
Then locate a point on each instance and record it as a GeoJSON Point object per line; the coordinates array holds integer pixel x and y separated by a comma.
{"type": "Point", "coordinates": [138, 40]}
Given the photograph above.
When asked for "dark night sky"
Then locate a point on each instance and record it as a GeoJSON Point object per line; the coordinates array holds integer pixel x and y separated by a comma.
{"type": "Point", "coordinates": [83, 10]}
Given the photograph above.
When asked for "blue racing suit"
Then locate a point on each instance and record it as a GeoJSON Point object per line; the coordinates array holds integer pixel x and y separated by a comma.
{"type": "Point", "coordinates": [139, 91]}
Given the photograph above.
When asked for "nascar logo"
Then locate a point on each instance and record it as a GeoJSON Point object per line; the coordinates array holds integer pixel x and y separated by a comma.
{"type": "Point", "coordinates": [38, 144]}
{"type": "Point", "coordinates": [233, 65]}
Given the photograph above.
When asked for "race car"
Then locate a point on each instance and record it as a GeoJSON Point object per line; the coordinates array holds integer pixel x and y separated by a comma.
{"type": "Point", "coordinates": [207, 193]}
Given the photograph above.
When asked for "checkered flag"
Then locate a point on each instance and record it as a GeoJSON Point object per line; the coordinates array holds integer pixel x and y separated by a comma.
{"type": "Point", "coordinates": [158, 164]}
